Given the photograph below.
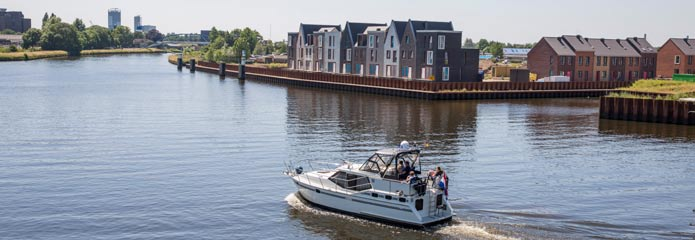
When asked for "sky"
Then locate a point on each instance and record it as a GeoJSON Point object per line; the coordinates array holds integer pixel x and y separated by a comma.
{"type": "Point", "coordinates": [515, 21]}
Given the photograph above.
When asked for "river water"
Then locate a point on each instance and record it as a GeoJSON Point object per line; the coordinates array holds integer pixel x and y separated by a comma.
{"type": "Point", "coordinates": [127, 147]}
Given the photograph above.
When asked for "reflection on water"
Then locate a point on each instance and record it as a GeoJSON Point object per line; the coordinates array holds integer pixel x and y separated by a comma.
{"type": "Point", "coordinates": [648, 130]}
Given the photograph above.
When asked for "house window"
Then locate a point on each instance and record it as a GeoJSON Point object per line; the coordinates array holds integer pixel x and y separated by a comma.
{"type": "Point", "coordinates": [442, 42]}
{"type": "Point", "coordinates": [690, 60]}
{"type": "Point", "coordinates": [678, 60]}
{"type": "Point", "coordinates": [605, 61]}
{"type": "Point", "coordinates": [598, 61]}
{"type": "Point", "coordinates": [330, 53]}
{"type": "Point", "coordinates": [571, 60]}
{"type": "Point", "coordinates": [407, 39]}
{"type": "Point", "coordinates": [614, 61]}
{"type": "Point", "coordinates": [388, 54]}
{"type": "Point", "coordinates": [580, 61]}
{"type": "Point", "coordinates": [320, 53]}
{"type": "Point", "coordinates": [430, 42]}
{"type": "Point", "coordinates": [289, 42]}
{"type": "Point", "coordinates": [446, 58]}
{"type": "Point", "coordinates": [395, 56]}
{"type": "Point", "coordinates": [372, 55]}
{"type": "Point", "coordinates": [412, 54]}
{"type": "Point", "coordinates": [320, 41]}
{"type": "Point", "coordinates": [676, 71]}
{"type": "Point", "coordinates": [562, 60]}
{"type": "Point", "coordinates": [371, 41]}
{"type": "Point", "coordinates": [604, 74]}
{"type": "Point", "coordinates": [445, 73]}
{"type": "Point", "coordinates": [392, 42]}
{"type": "Point", "coordinates": [580, 74]}
{"type": "Point", "coordinates": [373, 68]}
{"type": "Point", "coordinates": [588, 61]}
{"type": "Point", "coordinates": [348, 55]}
{"type": "Point", "coordinates": [430, 57]}
{"type": "Point", "coordinates": [402, 54]}
{"type": "Point", "coordinates": [631, 60]}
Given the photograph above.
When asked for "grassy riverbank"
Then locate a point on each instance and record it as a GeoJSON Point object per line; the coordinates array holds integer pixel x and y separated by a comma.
{"type": "Point", "coordinates": [26, 56]}
{"type": "Point", "coordinates": [33, 55]}
{"type": "Point", "coordinates": [658, 89]}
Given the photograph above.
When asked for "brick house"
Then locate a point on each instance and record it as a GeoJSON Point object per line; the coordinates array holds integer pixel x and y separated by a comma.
{"type": "Point", "coordinates": [676, 57]}
{"type": "Point", "coordinates": [648, 56]}
{"type": "Point", "coordinates": [552, 56]}
{"type": "Point", "coordinates": [590, 59]}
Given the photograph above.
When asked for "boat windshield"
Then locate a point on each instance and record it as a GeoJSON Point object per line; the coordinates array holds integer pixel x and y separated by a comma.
{"type": "Point", "coordinates": [377, 163]}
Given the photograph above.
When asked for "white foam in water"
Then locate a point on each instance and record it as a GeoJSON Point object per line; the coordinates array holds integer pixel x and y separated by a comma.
{"type": "Point", "coordinates": [458, 231]}
{"type": "Point", "coordinates": [462, 230]}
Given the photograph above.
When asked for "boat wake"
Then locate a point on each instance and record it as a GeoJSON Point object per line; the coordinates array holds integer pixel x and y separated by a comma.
{"type": "Point", "coordinates": [454, 230]}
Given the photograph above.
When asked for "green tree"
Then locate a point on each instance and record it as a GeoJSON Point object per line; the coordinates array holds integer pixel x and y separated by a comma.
{"type": "Point", "coordinates": [52, 20]}
{"type": "Point", "coordinates": [122, 37]}
{"type": "Point", "coordinates": [79, 25]}
{"type": "Point", "coordinates": [139, 35]}
{"type": "Point", "coordinates": [264, 48]}
{"type": "Point", "coordinates": [483, 44]}
{"type": "Point", "coordinates": [44, 20]}
{"type": "Point", "coordinates": [213, 34]}
{"type": "Point", "coordinates": [31, 38]}
{"type": "Point", "coordinates": [154, 35]}
{"type": "Point", "coordinates": [469, 43]}
{"type": "Point", "coordinates": [280, 47]}
{"type": "Point", "coordinates": [97, 37]}
{"type": "Point", "coordinates": [61, 36]}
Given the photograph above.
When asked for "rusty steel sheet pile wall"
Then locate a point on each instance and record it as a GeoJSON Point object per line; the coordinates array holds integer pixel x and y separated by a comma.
{"type": "Point", "coordinates": [648, 110]}
{"type": "Point", "coordinates": [419, 88]}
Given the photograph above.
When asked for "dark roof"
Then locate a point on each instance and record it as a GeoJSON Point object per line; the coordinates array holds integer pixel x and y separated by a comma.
{"type": "Point", "coordinates": [613, 48]}
{"type": "Point", "coordinates": [429, 25]}
{"type": "Point", "coordinates": [642, 45]}
{"type": "Point", "coordinates": [308, 29]}
{"type": "Point", "coordinates": [686, 45]}
{"type": "Point", "coordinates": [400, 28]}
{"type": "Point", "coordinates": [559, 45]}
{"type": "Point", "coordinates": [578, 43]}
{"type": "Point", "coordinates": [353, 29]}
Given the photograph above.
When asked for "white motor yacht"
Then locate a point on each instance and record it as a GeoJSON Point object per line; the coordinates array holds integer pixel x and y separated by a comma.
{"type": "Point", "coordinates": [375, 190]}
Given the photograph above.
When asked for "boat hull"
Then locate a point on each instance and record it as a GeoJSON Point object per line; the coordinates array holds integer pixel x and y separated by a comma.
{"type": "Point", "coordinates": [398, 214]}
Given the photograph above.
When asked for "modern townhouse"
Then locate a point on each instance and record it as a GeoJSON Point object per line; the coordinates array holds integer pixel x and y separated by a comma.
{"type": "Point", "coordinates": [676, 57]}
{"type": "Point", "coordinates": [292, 50]}
{"type": "Point", "coordinates": [648, 56]}
{"type": "Point", "coordinates": [306, 56]}
{"type": "Point", "coordinates": [326, 48]}
{"type": "Point", "coordinates": [392, 48]}
{"type": "Point", "coordinates": [432, 51]}
{"type": "Point", "coordinates": [590, 59]}
{"type": "Point", "coordinates": [353, 47]}
{"type": "Point", "coordinates": [412, 50]}
{"type": "Point", "coordinates": [375, 48]}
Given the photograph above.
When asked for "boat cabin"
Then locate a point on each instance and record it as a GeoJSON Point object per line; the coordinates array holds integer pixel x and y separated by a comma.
{"type": "Point", "coordinates": [386, 163]}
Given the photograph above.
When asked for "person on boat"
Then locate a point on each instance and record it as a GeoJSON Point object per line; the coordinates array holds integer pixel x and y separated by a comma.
{"type": "Point", "coordinates": [402, 171]}
{"type": "Point", "coordinates": [412, 178]}
{"type": "Point", "coordinates": [441, 180]}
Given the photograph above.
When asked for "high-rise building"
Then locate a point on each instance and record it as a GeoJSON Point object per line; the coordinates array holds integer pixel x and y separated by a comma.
{"type": "Point", "coordinates": [114, 18]}
{"type": "Point", "coordinates": [14, 21]}
{"type": "Point", "coordinates": [137, 26]}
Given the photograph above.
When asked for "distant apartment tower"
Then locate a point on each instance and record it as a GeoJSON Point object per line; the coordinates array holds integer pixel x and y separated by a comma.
{"type": "Point", "coordinates": [14, 21]}
{"type": "Point", "coordinates": [114, 18]}
{"type": "Point", "coordinates": [205, 35]}
{"type": "Point", "coordinates": [137, 25]}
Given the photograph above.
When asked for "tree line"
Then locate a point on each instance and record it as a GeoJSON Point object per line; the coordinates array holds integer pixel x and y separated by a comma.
{"type": "Point", "coordinates": [493, 47]}
{"type": "Point", "coordinates": [227, 46]}
{"type": "Point", "coordinates": [73, 38]}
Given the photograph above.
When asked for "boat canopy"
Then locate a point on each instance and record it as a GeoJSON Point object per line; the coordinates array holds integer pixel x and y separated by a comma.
{"type": "Point", "coordinates": [386, 162]}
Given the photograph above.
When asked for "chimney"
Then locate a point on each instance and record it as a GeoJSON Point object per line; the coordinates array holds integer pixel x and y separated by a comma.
{"type": "Point", "coordinates": [645, 36]}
